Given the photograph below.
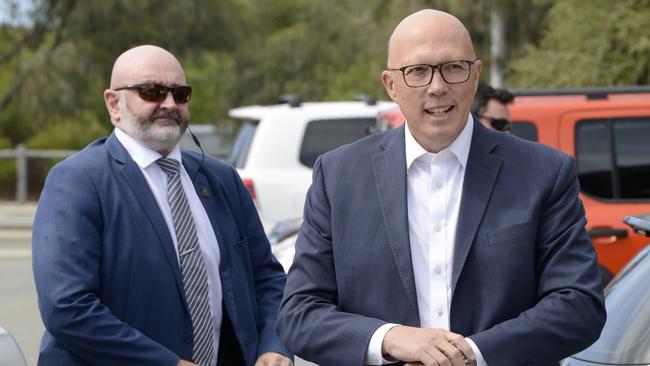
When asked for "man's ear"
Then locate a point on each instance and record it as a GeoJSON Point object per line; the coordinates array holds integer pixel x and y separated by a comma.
{"type": "Point", "coordinates": [112, 101]}
{"type": "Point", "coordinates": [389, 84]}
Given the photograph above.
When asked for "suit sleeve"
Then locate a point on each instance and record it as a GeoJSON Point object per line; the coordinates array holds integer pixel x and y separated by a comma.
{"type": "Point", "coordinates": [268, 276]}
{"type": "Point", "coordinates": [570, 312]}
{"type": "Point", "coordinates": [66, 249]}
{"type": "Point", "coordinates": [310, 320]}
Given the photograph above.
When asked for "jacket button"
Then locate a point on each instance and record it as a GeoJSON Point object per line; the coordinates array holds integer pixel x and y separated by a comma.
{"type": "Point", "coordinates": [188, 338]}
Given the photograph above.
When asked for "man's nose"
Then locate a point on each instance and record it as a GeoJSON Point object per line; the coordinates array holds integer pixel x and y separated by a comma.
{"type": "Point", "coordinates": [168, 102]}
{"type": "Point", "coordinates": [438, 85]}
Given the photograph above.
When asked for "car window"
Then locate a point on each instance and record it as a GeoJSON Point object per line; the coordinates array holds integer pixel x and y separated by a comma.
{"type": "Point", "coordinates": [322, 136]}
{"type": "Point", "coordinates": [633, 157]}
{"type": "Point", "coordinates": [525, 130]}
{"type": "Point", "coordinates": [242, 144]}
{"type": "Point", "coordinates": [210, 142]}
{"type": "Point", "coordinates": [613, 157]}
{"type": "Point", "coordinates": [625, 339]}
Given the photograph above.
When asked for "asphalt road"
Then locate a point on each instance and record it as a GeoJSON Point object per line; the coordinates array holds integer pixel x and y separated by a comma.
{"type": "Point", "coordinates": [18, 305]}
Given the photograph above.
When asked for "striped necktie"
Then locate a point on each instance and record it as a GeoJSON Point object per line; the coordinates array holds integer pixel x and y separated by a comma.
{"type": "Point", "coordinates": [193, 271]}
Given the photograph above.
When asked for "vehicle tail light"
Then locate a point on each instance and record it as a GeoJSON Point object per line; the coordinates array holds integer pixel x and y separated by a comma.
{"type": "Point", "coordinates": [251, 188]}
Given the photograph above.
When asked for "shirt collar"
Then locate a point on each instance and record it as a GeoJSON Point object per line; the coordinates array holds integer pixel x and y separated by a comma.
{"type": "Point", "coordinates": [142, 155]}
{"type": "Point", "coordinates": [458, 148]}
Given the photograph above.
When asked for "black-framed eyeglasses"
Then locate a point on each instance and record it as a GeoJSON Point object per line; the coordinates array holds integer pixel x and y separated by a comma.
{"type": "Point", "coordinates": [452, 72]}
{"type": "Point", "coordinates": [500, 124]}
{"type": "Point", "coordinates": [157, 93]}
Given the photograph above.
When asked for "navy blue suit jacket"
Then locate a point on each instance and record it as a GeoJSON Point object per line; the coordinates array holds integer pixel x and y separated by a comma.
{"type": "Point", "coordinates": [109, 285]}
{"type": "Point", "coordinates": [525, 286]}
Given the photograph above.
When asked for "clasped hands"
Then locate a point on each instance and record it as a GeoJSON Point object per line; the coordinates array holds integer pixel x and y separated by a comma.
{"type": "Point", "coordinates": [427, 346]}
{"type": "Point", "coordinates": [265, 359]}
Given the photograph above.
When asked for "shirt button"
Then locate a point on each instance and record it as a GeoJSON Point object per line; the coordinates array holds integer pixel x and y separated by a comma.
{"type": "Point", "coordinates": [188, 338]}
{"type": "Point", "coordinates": [438, 269]}
{"type": "Point", "coordinates": [438, 185]}
{"type": "Point", "coordinates": [437, 228]}
{"type": "Point", "coordinates": [440, 312]}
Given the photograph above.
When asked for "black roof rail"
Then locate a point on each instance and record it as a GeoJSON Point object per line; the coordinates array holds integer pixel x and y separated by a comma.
{"type": "Point", "coordinates": [590, 93]}
{"type": "Point", "coordinates": [290, 99]}
{"type": "Point", "coordinates": [369, 100]}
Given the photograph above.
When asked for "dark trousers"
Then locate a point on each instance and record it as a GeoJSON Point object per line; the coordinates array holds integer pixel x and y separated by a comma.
{"type": "Point", "coordinates": [230, 353]}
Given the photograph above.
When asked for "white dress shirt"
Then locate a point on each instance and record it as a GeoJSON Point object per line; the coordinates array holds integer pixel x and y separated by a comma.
{"type": "Point", "coordinates": [434, 189]}
{"type": "Point", "coordinates": [157, 180]}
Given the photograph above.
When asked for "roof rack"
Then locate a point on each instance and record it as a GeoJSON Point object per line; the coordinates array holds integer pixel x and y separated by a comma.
{"type": "Point", "coordinates": [369, 100]}
{"type": "Point", "coordinates": [290, 99]}
{"type": "Point", "coordinates": [590, 93]}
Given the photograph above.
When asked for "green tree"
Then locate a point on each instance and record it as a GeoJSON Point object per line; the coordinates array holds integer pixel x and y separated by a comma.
{"type": "Point", "coordinates": [589, 43]}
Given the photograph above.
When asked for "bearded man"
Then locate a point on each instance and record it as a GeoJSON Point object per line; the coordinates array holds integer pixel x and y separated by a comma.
{"type": "Point", "coordinates": [146, 254]}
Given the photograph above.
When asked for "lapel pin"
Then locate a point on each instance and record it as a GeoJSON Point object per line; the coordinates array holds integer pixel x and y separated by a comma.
{"type": "Point", "coordinates": [205, 192]}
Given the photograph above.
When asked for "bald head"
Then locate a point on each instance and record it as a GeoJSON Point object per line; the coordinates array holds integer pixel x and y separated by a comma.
{"type": "Point", "coordinates": [436, 109]}
{"type": "Point", "coordinates": [146, 64]}
{"type": "Point", "coordinates": [428, 28]}
{"type": "Point", "coordinates": [157, 123]}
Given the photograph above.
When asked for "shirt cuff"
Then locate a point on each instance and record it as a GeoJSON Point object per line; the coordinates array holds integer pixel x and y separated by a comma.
{"type": "Point", "coordinates": [373, 354]}
{"type": "Point", "coordinates": [480, 361]}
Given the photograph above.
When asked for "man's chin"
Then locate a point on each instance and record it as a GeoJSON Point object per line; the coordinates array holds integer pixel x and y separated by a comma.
{"type": "Point", "coordinates": [164, 138]}
{"type": "Point", "coordinates": [161, 145]}
{"type": "Point", "coordinates": [167, 133]}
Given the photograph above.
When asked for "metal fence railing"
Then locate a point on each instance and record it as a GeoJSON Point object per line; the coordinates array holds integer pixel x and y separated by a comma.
{"type": "Point", "coordinates": [22, 154]}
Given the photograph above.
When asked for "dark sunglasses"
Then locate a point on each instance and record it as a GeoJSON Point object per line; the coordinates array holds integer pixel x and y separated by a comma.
{"type": "Point", "coordinates": [501, 124]}
{"type": "Point", "coordinates": [157, 93]}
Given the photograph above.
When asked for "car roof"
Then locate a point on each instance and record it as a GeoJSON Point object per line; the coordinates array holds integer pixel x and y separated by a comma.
{"type": "Point", "coordinates": [321, 109]}
{"type": "Point", "coordinates": [581, 95]}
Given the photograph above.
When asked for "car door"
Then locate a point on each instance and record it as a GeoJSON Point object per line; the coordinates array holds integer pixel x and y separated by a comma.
{"type": "Point", "coordinates": [612, 151]}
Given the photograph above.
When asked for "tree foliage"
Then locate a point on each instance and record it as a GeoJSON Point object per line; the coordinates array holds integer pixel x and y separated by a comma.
{"type": "Point", "coordinates": [237, 52]}
{"type": "Point", "coordinates": [589, 43]}
{"type": "Point", "coordinates": [53, 72]}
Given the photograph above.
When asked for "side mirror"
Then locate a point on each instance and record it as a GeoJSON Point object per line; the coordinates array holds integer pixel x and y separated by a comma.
{"type": "Point", "coordinates": [639, 223]}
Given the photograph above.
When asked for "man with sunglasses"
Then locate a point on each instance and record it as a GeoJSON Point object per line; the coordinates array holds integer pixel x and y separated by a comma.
{"type": "Point", "coordinates": [441, 242]}
{"type": "Point", "coordinates": [491, 107]}
{"type": "Point", "coordinates": [144, 254]}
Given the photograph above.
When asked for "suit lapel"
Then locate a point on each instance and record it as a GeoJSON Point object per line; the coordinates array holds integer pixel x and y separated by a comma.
{"type": "Point", "coordinates": [389, 168]}
{"type": "Point", "coordinates": [140, 188]}
{"type": "Point", "coordinates": [208, 197]}
{"type": "Point", "coordinates": [480, 175]}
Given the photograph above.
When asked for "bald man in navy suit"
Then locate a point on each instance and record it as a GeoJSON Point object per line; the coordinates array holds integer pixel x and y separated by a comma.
{"type": "Point", "coordinates": [441, 242]}
{"type": "Point", "coordinates": [110, 240]}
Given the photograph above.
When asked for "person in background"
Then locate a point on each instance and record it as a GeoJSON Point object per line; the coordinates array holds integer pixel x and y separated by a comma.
{"type": "Point", "coordinates": [441, 242]}
{"type": "Point", "coordinates": [491, 107]}
{"type": "Point", "coordinates": [146, 254]}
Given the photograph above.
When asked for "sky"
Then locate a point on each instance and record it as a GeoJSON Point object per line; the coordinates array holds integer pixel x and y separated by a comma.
{"type": "Point", "coordinates": [20, 17]}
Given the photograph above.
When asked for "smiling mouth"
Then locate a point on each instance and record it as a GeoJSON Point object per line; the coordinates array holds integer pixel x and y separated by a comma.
{"type": "Point", "coordinates": [439, 111]}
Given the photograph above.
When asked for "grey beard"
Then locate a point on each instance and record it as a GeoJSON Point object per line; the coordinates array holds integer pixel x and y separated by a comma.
{"type": "Point", "coordinates": [157, 138]}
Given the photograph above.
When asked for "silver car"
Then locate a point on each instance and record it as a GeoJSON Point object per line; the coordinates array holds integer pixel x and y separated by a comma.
{"type": "Point", "coordinates": [625, 340]}
{"type": "Point", "coordinates": [10, 354]}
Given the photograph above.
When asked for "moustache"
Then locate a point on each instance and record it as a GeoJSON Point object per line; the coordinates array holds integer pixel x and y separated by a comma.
{"type": "Point", "coordinates": [166, 114]}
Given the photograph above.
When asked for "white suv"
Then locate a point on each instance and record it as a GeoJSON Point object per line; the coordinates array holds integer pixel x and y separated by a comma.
{"type": "Point", "coordinates": [277, 147]}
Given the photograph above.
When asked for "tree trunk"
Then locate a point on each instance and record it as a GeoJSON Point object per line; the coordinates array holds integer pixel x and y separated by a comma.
{"type": "Point", "coordinates": [497, 48]}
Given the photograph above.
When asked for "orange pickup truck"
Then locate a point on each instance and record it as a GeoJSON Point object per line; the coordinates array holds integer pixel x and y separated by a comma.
{"type": "Point", "coordinates": [607, 131]}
